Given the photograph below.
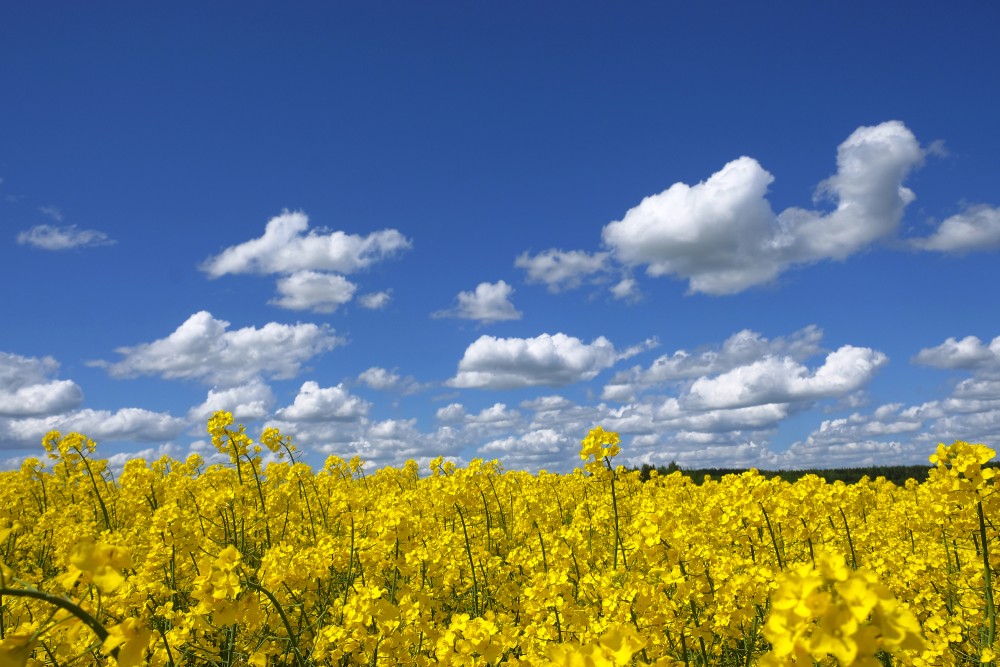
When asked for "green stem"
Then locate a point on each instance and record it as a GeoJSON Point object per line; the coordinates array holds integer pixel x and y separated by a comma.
{"type": "Point", "coordinates": [236, 457]}
{"type": "Point", "coordinates": [63, 603]}
{"type": "Point", "coordinates": [100, 501]}
{"type": "Point", "coordinates": [292, 638]}
{"type": "Point", "coordinates": [545, 562]}
{"type": "Point", "coordinates": [850, 542]}
{"type": "Point", "coordinates": [614, 504]}
{"type": "Point", "coordinates": [774, 542]}
{"type": "Point", "coordinates": [988, 578]}
{"type": "Point", "coordinates": [472, 564]}
{"type": "Point", "coordinates": [263, 507]}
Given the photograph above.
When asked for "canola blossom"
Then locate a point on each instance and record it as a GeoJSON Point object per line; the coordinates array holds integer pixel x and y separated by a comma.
{"type": "Point", "coordinates": [184, 563]}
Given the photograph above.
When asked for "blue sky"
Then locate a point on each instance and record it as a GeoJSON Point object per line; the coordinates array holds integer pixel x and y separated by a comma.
{"type": "Point", "coordinates": [740, 234]}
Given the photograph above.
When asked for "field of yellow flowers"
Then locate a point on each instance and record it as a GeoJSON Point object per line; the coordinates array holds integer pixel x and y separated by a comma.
{"type": "Point", "coordinates": [179, 563]}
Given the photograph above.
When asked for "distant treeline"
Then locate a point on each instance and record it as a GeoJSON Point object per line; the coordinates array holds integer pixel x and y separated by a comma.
{"type": "Point", "coordinates": [895, 474]}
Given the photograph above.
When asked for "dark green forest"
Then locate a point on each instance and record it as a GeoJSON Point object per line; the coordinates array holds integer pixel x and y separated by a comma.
{"type": "Point", "coordinates": [895, 474]}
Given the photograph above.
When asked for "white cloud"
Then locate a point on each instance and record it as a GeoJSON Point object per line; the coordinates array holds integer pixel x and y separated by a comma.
{"type": "Point", "coordinates": [909, 434]}
{"type": "Point", "coordinates": [553, 360]}
{"type": "Point", "coordinates": [453, 412]}
{"type": "Point", "coordinates": [695, 450]}
{"type": "Point", "coordinates": [51, 212]}
{"type": "Point", "coordinates": [248, 402]}
{"type": "Point", "coordinates": [489, 303]}
{"type": "Point", "coordinates": [379, 378]}
{"type": "Point", "coordinates": [126, 424]}
{"type": "Point", "coordinates": [887, 420]}
{"type": "Point", "coordinates": [730, 400]}
{"type": "Point", "coordinates": [203, 348]}
{"type": "Point", "coordinates": [393, 441]}
{"type": "Point", "coordinates": [868, 190]}
{"type": "Point", "coordinates": [968, 353]}
{"type": "Point", "coordinates": [855, 454]}
{"type": "Point", "coordinates": [711, 233]}
{"type": "Point", "coordinates": [976, 228]}
{"type": "Point", "coordinates": [678, 415]}
{"type": "Point", "coordinates": [723, 237]}
{"type": "Point", "coordinates": [560, 413]}
{"type": "Point", "coordinates": [490, 422]}
{"type": "Point", "coordinates": [540, 449]}
{"type": "Point", "coordinates": [48, 237]}
{"type": "Point", "coordinates": [117, 461]}
{"type": "Point", "coordinates": [27, 390]}
{"type": "Point", "coordinates": [627, 289]}
{"type": "Point", "coordinates": [783, 380]}
{"type": "Point", "coordinates": [981, 388]}
{"type": "Point", "coordinates": [375, 300]}
{"type": "Point", "coordinates": [311, 290]}
{"type": "Point", "coordinates": [378, 443]}
{"type": "Point", "coordinates": [315, 403]}
{"type": "Point", "coordinates": [743, 347]}
{"type": "Point", "coordinates": [285, 247]}
{"type": "Point", "coordinates": [562, 269]}
{"type": "Point", "coordinates": [382, 379]}
{"type": "Point", "coordinates": [496, 414]}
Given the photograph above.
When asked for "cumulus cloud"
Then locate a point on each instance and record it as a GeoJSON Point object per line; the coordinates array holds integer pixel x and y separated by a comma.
{"type": "Point", "coordinates": [375, 300]}
{"type": "Point", "coordinates": [909, 434]}
{"type": "Point", "coordinates": [626, 289]}
{"type": "Point", "coordinates": [856, 454]}
{"type": "Point", "coordinates": [251, 401]}
{"type": "Point", "coordinates": [559, 412]}
{"type": "Point", "coordinates": [783, 380]}
{"type": "Point", "coordinates": [51, 212]}
{"type": "Point", "coordinates": [315, 403]}
{"type": "Point", "coordinates": [969, 353]}
{"type": "Point", "coordinates": [976, 228]}
{"type": "Point", "coordinates": [117, 461]}
{"type": "Point", "coordinates": [682, 416]}
{"type": "Point", "coordinates": [743, 347]}
{"type": "Point", "coordinates": [712, 233]}
{"type": "Point", "coordinates": [562, 269]}
{"type": "Point", "coordinates": [378, 443]}
{"type": "Point", "coordinates": [552, 360]}
{"type": "Point", "coordinates": [287, 247]}
{"type": "Point", "coordinates": [538, 449]}
{"type": "Point", "coordinates": [49, 237]}
{"type": "Point", "coordinates": [887, 420]}
{"type": "Point", "coordinates": [868, 191]}
{"type": "Point", "coordinates": [978, 387]}
{"type": "Point", "coordinates": [394, 441]}
{"type": "Point", "coordinates": [28, 390]}
{"type": "Point", "coordinates": [126, 424]}
{"type": "Point", "coordinates": [723, 236]}
{"type": "Point", "coordinates": [382, 379]}
{"type": "Point", "coordinates": [203, 348]}
{"type": "Point", "coordinates": [311, 290]}
{"type": "Point", "coordinates": [497, 416]}
{"type": "Point", "coordinates": [489, 303]}
{"type": "Point", "coordinates": [891, 432]}
{"type": "Point", "coordinates": [379, 378]}
{"type": "Point", "coordinates": [453, 412]}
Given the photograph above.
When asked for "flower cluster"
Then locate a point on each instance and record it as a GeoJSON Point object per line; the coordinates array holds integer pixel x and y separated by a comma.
{"type": "Point", "coordinates": [599, 447]}
{"type": "Point", "coordinates": [830, 610]}
{"type": "Point", "coordinates": [242, 563]}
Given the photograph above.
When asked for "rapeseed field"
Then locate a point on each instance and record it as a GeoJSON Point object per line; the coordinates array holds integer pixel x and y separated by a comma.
{"type": "Point", "coordinates": [184, 563]}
